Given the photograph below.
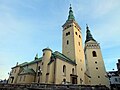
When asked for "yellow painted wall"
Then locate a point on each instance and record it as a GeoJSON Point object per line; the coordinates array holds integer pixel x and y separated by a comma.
{"type": "Point", "coordinates": [45, 61]}
{"type": "Point", "coordinates": [22, 79]}
{"type": "Point", "coordinates": [14, 73]}
{"type": "Point", "coordinates": [59, 71]}
{"type": "Point", "coordinates": [51, 73]}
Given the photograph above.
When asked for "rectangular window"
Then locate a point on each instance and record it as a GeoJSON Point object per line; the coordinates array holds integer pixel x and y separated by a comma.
{"type": "Point", "coordinates": [20, 78]}
{"type": "Point", "coordinates": [15, 71]}
{"type": "Point", "coordinates": [79, 43]}
{"type": "Point", "coordinates": [24, 78]}
{"type": "Point", "coordinates": [67, 42]}
{"type": "Point", "coordinates": [43, 54]}
{"type": "Point", "coordinates": [116, 80]}
{"type": "Point", "coordinates": [76, 33]}
{"type": "Point", "coordinates": [119, 79]}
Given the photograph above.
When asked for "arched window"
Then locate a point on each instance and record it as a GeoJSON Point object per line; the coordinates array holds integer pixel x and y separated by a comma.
{"type": "Point", "coordinates": [67, 42]}
{"type": "Point", "coordinates": [79, 43]}
{"type": "Point", "coordinates": [73, 71]}
{"type": "Point", "coordinates": [39, 68]}
{"type": "Point", "coordinates": [94, 54]}
{"type": "Point", "coordinates": [64, 70]}
{"type": "Point", "coordinates": [68, 33]}
{"type": "Point", "coordinates": [76, 33]}
{"type": "Point", "coordinates": [64, 80]}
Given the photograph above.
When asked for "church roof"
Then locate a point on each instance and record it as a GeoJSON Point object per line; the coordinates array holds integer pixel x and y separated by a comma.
{"type": "Point", "coordinates": [27, 71]}
{"type": "Point", "coordinates": [55, 54]}
{"type": "Point", "coordinates": [61, 56]}
{"type": "Point", "coordinates": [47, 49]}
{"type": "Point", "coordinates": [28, 63]}
{"type": "Point", "coordinates": [23, 64]}
{"type": "Point", "coordinates": [37, 60]}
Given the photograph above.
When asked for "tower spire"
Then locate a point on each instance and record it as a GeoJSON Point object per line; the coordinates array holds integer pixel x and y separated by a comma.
{"type": "Point", "coordinates": [88, 35]}
{"type": "Point", "coordinates": [70, 16]}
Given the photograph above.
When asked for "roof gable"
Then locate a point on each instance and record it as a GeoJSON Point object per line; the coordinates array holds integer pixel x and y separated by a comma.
{"type": "Point", "coordinates": [27, 71]}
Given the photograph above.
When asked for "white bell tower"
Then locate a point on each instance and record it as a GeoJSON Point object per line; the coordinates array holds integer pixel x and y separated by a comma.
{"type": "Point", "coordinates": [95, 68]}
{"type": "Point", "coordinates": [72, 45]}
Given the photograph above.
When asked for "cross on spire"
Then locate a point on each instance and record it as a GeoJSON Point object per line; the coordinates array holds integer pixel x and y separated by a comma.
{"type": "Point", "coordinates": [88, 35]}
{"type": "Point", "coordinates": [70, 16]}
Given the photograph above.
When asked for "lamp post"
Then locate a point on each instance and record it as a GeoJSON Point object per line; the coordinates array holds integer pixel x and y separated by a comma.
{"type": "Point", "coordinates": [39, 74]}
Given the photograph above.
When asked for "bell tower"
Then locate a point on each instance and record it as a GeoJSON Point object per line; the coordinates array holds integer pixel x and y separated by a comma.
{"type": "Point", "coordinates": [95, 69]}
{"type": "Point", "coordinates": [72, 44]}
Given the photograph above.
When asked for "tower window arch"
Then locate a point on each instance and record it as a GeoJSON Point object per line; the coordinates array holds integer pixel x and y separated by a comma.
{"type": "Point", "coordinates": [79, 43]}
{"type": "Point", "coordinates": [94, 54]}
{"type": "Point", "coordinates": [64, 70]}
{"type": "Point", "coordinates": [67, 42]}
{"type": "Point", "coordinates": [76, 33]}
{"type": "Point", "coordinates": [39, 68]}
{"type": "Point", "coordinates": [64, 81]}
{"type": "Point", "coordinates": [68, 33]}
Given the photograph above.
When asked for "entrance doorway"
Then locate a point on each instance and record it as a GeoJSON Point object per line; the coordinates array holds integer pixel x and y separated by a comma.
{"type": "Point", "coordinates": [12, 78]}
{"type": "Point", "coordinates": [73, 79]}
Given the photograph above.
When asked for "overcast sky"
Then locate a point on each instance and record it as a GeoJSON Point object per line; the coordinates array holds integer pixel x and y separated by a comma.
{"type": "Point", "coordinates": [28, 26]}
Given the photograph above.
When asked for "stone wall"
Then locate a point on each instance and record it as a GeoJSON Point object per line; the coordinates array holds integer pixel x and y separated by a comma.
{"type": "Point", "coordinates": [36, 86]}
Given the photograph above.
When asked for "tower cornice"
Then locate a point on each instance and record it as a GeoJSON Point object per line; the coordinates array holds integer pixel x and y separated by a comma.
{"type": "Point", "coordinates": [71, 21]}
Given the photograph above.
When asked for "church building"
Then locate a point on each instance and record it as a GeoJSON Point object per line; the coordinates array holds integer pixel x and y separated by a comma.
{"type": "Point", "coordinates": [75, 65]}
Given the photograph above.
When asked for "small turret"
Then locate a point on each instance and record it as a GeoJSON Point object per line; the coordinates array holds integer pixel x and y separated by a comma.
{"type": "Point", "coordinates": [47, 52]}
{"type": "Point", "coordinates": [47, 49]}
{"type": "Point", "coordinates": [36, 57]}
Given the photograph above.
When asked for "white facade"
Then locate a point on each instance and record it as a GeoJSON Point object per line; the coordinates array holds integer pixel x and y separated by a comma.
{"type": "Point", "coordinates": [115, 80]}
